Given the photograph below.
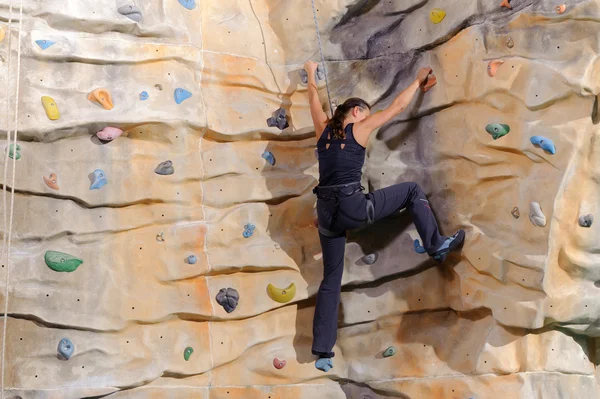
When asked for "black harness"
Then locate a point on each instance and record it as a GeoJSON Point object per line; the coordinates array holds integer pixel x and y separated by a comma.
{"type": "Point", "coordinates": [328, 193]}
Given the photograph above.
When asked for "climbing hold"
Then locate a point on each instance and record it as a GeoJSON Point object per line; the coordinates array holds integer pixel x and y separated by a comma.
{"type": "Point", "coordinates": [192, 259]}
{"type": "Point", "coordinates": [248, 230]}
{"type": "Point", "coordinates": [61, 262]}
{"type": "Point", "coordinates": [370, 258]}
{"type": "Point", "coordinates": [165, 168]}
{"type": "Point", "coordinates": [278, 119]}
{"type": "Point", "coordinates": [98, 179]}
{"type": "Point", "coordinates": [515, 212]}
{"type": "Point", "coordinates": [497, 130]}
{"type": "Point", "coordinates": [279, 364]}
{"type": "Point", "coordinates": [2, 33]}
{"type": "Point", "coordinates": [324, 364]}
{"type": "Point", "coordinates": [187, 353]}
{"type": "Point", "coordinates": [391, 351]}
{"type": "Point", "coordinates": [429, 83]}
{"type": "Point", "coordinates": [14, 154]}
{"type": "Point", "coordinates": [505, 3]}
{"type": "Point", "coordinates": [319, 74]}
{"type": "Point", "coordinates": [268, 155]}
{"type": "Point", "coordinates": [144, 96]}
{"type": "Point", "coordinates": [189, 4]}
{"type": "Point", "coordinates": [131, 12]}
{"type": "Point", "coordinates": [51, 181]}
{"type": "Point", "coordinates": [282, 295]}
{"type": "Point", "coordinates": [228, 298]}
{"type": "Point", "coordinates": [418, 247]}
{"type": "Point", "coordinates": [536, 215]}
{"type": "Point", "coordinates": [181, 95]}
{"type": "Point", "coordinates": [66, 348]}
{"type": "Point", "coordinates": [437, 15]}
{"type": "Point", "coordinates": [493, 67]}
{"type": "Point", "coordinates": [510, 43]}
{"type": "Point", "coordinates": [160, 237]}
{"type": "Point", "coordinates": [158, 86]}
{"type": "Point", "coordinates": [544, 142]}
{"type": "Point", "coordinates": [51, 108]}
{"type": "Point", "coordinates": [560, 9]}
{"type": "Point", "coordinates": [44, 44]}
{"type": "Point", "coordinates": [109, 133]}
{"type": "Point", "coordinates": [102, 97]}
{"type": "Point", "coordinates": [595, 113]}
{"type": "Point", "coordinates": [586, 221]}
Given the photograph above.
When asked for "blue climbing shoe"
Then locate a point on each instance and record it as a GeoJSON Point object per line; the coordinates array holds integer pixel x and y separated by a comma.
{"type": "Point", "coordinates": [324, 364]}
{"type": "Point", "coordinates": [448, 246]}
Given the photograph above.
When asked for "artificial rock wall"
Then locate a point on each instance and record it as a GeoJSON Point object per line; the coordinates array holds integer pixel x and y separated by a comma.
{"type": "Point", "coordinates": [514, 315]}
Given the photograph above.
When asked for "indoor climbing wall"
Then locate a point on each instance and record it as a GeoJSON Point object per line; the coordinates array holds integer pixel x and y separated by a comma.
{"type": "Point", "coordinates": [163, 241]}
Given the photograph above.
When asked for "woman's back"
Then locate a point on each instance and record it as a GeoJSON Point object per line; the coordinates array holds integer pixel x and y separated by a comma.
{"type": "Point", "coordinates": [340, 160]}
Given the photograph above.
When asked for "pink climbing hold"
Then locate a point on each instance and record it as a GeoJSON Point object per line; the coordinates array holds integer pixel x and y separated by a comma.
{"type": "Point", "coordinates": [109, 133]}
{"type": "Point", "coordinates": [279, 364]}
{"type": "Point", "coordinates": [505, 3]}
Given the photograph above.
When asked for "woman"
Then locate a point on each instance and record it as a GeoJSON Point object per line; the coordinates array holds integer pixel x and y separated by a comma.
{"type": "Point", "coordinates": [342, 205]}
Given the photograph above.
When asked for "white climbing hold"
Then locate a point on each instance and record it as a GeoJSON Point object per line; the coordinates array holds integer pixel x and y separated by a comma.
{"type": "Point", "coordinates": [536, 215]}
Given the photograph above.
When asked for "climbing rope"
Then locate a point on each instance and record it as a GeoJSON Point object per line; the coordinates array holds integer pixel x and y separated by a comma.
{"type": "Point", "coordinates": [322, 56]}
{"type": "Point", "coordinates": [6, 242]}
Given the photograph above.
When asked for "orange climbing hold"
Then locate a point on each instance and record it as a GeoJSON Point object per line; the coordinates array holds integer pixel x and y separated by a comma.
{"type": "Point", "coordinates": [429, 83]}
{"type": "Point", "coordinates": [493, 67]}
{"type": "Point", "coordinates": [560, 9]}
{"type": "Point", "coordinates": [102, 97]}
{"type": "Point", "coordinates": [505, 3]}
{"type": "Point", "coordinates": [51, 181]}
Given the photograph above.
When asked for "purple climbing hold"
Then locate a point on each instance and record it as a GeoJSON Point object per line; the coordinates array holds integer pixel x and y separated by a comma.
{"type": "Point", "coordinates": [228, 298]}
{"type": "Point", "coordinates": [278, 119]}
{"type": "Point", "coordinates": [319, 74]}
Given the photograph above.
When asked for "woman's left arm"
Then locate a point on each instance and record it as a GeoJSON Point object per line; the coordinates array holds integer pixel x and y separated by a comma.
{"type": "Point", "coordinates": [316, 110]}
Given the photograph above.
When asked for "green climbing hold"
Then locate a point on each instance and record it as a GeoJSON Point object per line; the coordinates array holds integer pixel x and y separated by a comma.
{"type": "Point", "coordinates": [497, 130]}
{"type": "Point", "coordinates": [187, 353]}
{"type": "Point", "coordinates": [61, 262]}
{"type": "Point", "coordinates": [391, 351]}
{"type": "Point", "coordinates": [14, 154]}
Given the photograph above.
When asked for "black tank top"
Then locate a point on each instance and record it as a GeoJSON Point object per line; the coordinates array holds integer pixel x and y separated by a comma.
{"type": "Point", "coordinates": [337, 165]}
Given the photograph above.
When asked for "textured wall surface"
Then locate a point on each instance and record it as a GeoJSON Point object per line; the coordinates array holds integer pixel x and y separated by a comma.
{"type": "Point", "coordinates": [514, 315]}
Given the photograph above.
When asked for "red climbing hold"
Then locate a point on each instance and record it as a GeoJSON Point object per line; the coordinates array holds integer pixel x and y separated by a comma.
{"type": "Point", "coordinates": [505, 3]}
{"type": "Point", "coordinates": [279, 364]}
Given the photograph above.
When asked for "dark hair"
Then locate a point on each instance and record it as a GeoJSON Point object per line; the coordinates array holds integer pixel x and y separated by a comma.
{"type": "Point", "coordinates": [337, 122]}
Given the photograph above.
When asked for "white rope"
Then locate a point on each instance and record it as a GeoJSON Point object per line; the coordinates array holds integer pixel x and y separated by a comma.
{"type": "Point", "coordinates": [322, 56]}
{"type": "Point", "coordinates": [12, 185]}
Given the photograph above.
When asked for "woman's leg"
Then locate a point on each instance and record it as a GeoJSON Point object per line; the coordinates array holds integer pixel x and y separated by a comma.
{"type": "Point", "coordinates": [328, 298]}
{"type": "Point", "coordinates": [391, 199]}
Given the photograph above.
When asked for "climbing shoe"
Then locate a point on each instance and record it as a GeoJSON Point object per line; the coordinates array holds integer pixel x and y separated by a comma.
{"type": "Point", "coordinates": [448, 246]}
{"type": "Point", "coordinates": [324, 364]}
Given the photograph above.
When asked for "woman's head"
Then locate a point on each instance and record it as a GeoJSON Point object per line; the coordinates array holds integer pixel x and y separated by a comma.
{"type": "Point", "coordinates": [353, 110]}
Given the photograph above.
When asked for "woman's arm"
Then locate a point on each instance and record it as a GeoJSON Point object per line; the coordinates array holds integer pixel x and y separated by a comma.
{"type": "Point", "coordinates": [316, 110]}
{"type": "Point", "coordinates": [364, 128]}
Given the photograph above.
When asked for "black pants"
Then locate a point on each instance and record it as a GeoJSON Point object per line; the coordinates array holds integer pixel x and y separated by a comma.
{"type": "Point", "coordinates": [386, 201]}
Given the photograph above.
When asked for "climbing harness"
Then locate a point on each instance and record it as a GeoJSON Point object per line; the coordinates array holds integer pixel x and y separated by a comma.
{"type": "Point", "coordinates": [334, 193]}
{"type": "Point", "coordinates": [6, 242]}
{"type": "Point", "coordinates": [322, 56]}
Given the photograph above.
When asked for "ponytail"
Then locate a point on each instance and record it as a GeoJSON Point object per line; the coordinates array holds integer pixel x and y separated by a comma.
{"type": "Point", "coordinates": [336, 123]}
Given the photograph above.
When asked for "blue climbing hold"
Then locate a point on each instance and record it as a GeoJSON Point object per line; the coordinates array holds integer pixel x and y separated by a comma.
{"type": "Point", "coordinates": [66, 348]}
{"type": "Point", "coordinates": [248, 230]}
{"type": "Point", "coordinates": [98, 179]}
{"type": "Point", "coordinates": [181, 95]}
{"type": "Point", "coordinates": [419, 248]}
{"type": "Point", "coordinates": [44, 44]}
{"type": "Point", "coordinates": [189, 4]}
{"type": "Point", "coordinates": [544, 142]}
{"type": "Point", "coordinates": [268, 155]}
{"type": "Point", "coordinates": [324, 364]}
{"type": "Point", "coordinates": [192, 259]}
{"type": "Point", "coordinates": [144, 96]}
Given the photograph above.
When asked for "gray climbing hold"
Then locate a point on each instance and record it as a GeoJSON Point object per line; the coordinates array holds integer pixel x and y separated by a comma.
{"type": "Point", "coordinates": [586, 221]}
{"type": "Point", "coordinates": [515, 212]}
{"type": "Point", "coordinates": [269, 157]}
{"type": "Point", "coordinates": [228, 298]}
{"type": "Point", "coordinates": [192, 259]}
{"type": "Point", "coordinates": [319, 74]}
{"type": "Point", "coordinates": [418, 247]}
{"type": "Point", "coordinates": [595, 113]}
{"type": "Point", "coordinates": [370, 258]}
{"type": "Point", "coordinates": [160, 237]}
{"type": "Point", "coordinates": [278, 119]}
{"type": "Point", "coordinates": [165, 168]}
{"type": "Point", "coordinates": [324, 364]}
{"type": "Point", "coordinates": [131, 12]}
{"type": "Point", "coordinates": [536, 216]}
{"type": "Point", "coordinates": [391, 351]}
{"type": "Point", "coordinates": [66, 348]}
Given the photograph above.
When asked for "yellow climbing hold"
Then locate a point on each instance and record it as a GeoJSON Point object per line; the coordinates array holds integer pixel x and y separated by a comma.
{"type": "Point", "coordinates": [437, 15]}
{"type": "Point", "coordinates": [282, 295]}
{"type": "Point", "coordinates": [2, 33]}
{"type": "Point", "coordinates": [51, 108]}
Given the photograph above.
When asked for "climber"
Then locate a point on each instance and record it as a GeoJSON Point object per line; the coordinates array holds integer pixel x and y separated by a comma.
{"type": "Point", "coordinates": [342, 205]}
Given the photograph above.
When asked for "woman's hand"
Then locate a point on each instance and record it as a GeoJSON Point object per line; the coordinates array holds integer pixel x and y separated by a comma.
{"type": "Point", "coordinates": [423, 74]}
{"type": "Point", "coordinates": [310, 67]}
